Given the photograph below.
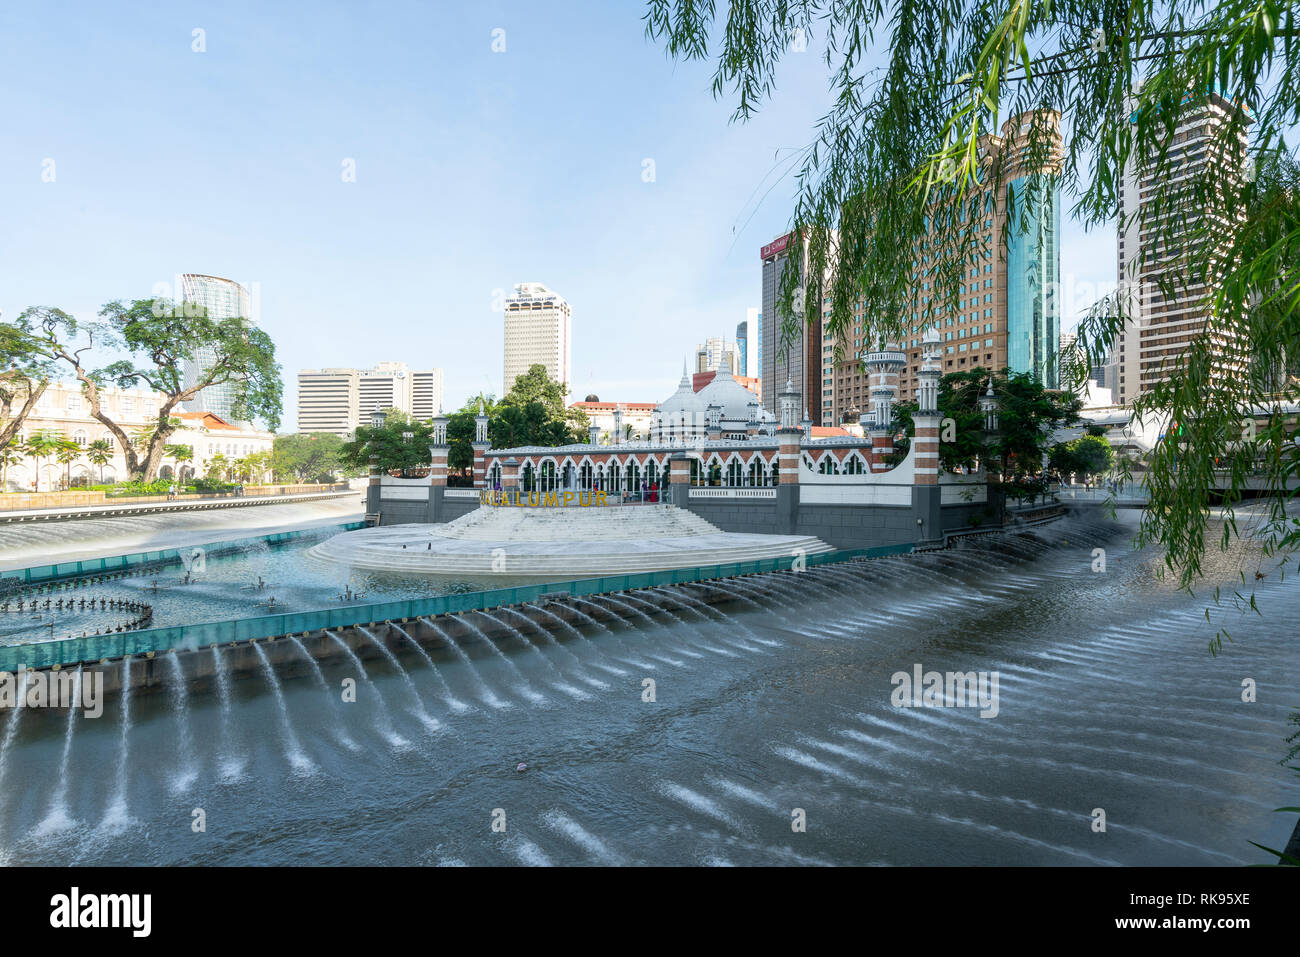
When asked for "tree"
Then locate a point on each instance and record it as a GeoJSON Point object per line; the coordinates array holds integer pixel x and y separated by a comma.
{"type": "Point", "coordinates": [1087, 455]}
{"type": "Point", "coordinates": [39, 445]}
{"type": "Point", "coordinates": [1028, 414]}
{"type": "Point", "coordinates": [461, 427]}
{"type": "Point", "coordinates": [100, 452]}
{"type": "Point", "coordinates": [536, 385]}
{"type": "Point", "coordinates": [67, 452]}
{"type": "Point", "coordinates": [515, 426]}
{"type": "Point", "coordinates": [217, 468]}
{"type": "Point", "coordinates": [9, 455]}
{"type": "Point", "coordinates": [26, 378]}
{"type": "Point", "coordinates": [180, 454]}
{"type": "Point", "coordinates": [905, 156]}
{"type": "Point", "coordinates": [390, 444]}
{"type": "Point", "coordinates": [306, 456]}
{"type": "Point", "coordinates": [533, 413]}
{"type": "Point", "coordinates": [160, 339]}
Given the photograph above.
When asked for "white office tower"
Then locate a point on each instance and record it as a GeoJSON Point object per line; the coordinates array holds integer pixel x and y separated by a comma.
{"type": "Point", "coordinates": [386, 386]}
{"type": "Point", "coordinates": [538, 330]}
{"type": "Point", "coordinates": [426, 393]}
{"type": "Point", "coordinates": [329, 400]}
{"type": "Point", "coordinates": [223, 299]}
{"type": "Point", "coordinates": [1159, 328]}
{"type": "Point", "coordinates": [710, 354]}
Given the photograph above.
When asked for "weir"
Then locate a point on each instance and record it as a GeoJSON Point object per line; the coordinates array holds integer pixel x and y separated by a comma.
{"type": "Point", "coordinates": [459, 623]}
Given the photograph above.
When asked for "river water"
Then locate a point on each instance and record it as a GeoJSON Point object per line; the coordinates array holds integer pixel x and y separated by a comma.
{"type": "Point", "coordinates": [775, 710]}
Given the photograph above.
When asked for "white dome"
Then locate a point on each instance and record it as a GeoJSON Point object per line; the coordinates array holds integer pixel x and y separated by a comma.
{"type": "Point", "coordinates": [734, 398]}
{"type": "Point", "coordinates": [684, 399]}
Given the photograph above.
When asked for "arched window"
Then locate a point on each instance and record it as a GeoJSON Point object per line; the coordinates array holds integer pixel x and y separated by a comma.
{"type": "Point", "coordinates": [756, 476]}
{"type": "Point", "coordinates": [586, 475]}
{"type": "Point", "coordinates": [828, 466]}
{"type": "Point", "coordinates": [529, 478]}
{"type": "Point", "coordinates": [734, 473]}
{"type": "Point", "coordinates": [548, 477]}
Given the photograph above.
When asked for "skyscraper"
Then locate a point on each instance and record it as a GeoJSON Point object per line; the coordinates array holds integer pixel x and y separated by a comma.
{"type": "Point", "coordinates": [1155, 246]}
{"type": "Point", "coordinates": [386, 386]}
{"type": "Point", "coordinates": [1007, 313]}
{"type": "Point", "coordinates": [426, 393]}
{"type": "Point", "coordinates": [801, 362]}
{"type": "Point", "coordinates": [747, 342]}
{"type": "Point", "coordinates": [538, 330]}
{"type": "Point", "coordinates": [223, 299]}
{"type": "Point", "coordinates": [329, 400]}
{"type": "Point", "coordinates": [338, 400]}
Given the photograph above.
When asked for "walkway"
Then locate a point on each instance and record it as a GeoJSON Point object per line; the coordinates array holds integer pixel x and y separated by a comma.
{"type": "Point", "coordinates": [182, 505]}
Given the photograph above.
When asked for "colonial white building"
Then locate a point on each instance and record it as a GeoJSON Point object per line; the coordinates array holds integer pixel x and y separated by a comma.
{"type": "Point", "coordinates": [62, 410]}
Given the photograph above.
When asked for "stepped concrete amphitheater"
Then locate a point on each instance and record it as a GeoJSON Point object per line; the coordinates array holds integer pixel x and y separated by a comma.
{"type": "Point", "coordinates": [556, 543]}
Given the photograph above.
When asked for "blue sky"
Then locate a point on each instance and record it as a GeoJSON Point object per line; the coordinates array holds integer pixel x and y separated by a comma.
{"type": "Point", "coordinates": [474, 170]}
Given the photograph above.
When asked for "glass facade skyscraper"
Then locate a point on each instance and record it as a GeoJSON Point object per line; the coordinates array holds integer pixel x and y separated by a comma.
{"type": "Point", "coordinates": [223, 299]}
{"type": "Point", "coordinates": [1033, 259]}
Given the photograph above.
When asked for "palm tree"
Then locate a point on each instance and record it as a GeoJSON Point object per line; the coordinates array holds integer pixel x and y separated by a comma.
{"type": "Point", "coordinates": [179, 454]}
{"type": "Point", "coordinates": [38, 446]}
{"type": "Point", "coordinates": [100, 453]}
{"type": "Point", "coordinates": [68, 451]}
{"type": "Point", "coordinates": [9, 455]}
{"type": "Point", "coordinates": [217, 467]}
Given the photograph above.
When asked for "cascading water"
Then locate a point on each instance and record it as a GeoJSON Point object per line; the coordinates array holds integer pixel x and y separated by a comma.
{"type": "Point", "coordinates": [385, 721]}
{"type": "Point", "coordinates": [11, 732]}
{"type": "Point", "coordinates": [524, 687]}
{"type": "Point", "coordinates": [559, 681]}
{"type": "Point", "coordinates": [116, 817]}
{"type": "Point", "coordinates": [635, 662]}
{"type": "Point", "coordinates": [293, 752]}
{"type": "Point", "coordinates": [454, 703]}
{"type": "Point", "coordinates": [230, 766]}
{"type": "Point", "coordinates": [187, 765]}
{"type": "Point", "coordinates": [485, 693]}
{"type": "Point", "coordinates": [428, 720]}
{"type": "Point", "coordinates": [343, 737]}
{"type": "Point", "coordinates": [581, 637]}
{"type": "Point", "coordinates": [57, 819]}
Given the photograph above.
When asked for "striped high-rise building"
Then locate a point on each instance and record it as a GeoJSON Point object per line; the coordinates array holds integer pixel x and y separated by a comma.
{"type": "Point", "coordinates": [1158, 245]}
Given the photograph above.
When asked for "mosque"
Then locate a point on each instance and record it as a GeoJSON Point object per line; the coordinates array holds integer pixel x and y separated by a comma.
{"type": "Point", "coordinates": [720, 455]}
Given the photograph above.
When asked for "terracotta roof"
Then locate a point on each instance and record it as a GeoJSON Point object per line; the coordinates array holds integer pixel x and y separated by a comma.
{"type": "Point", "coordinates": [208, 420]}
{"type": "Point", "coordinates": [644, 406]}
{"type": "Point", "coordinates": [829, 432]}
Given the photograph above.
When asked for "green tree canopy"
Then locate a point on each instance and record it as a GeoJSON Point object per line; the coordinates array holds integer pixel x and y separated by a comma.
{"type": "Point", "coordinates": [26, 369]}
{"type": "Point", "coordinates": [1087, 455]}
{"type": "Point", "coordinates": [390, 444]}
{"type": "Point", "coordinates": [1028, 414]}
{"type": "Point", "coordinates": [536, 385]}
{"type": "Point", "coordinates": [159, 338]}
{"type": "Point", "coordinates": [306, 456]}
{"type": "Point", "coordinates": [533, 413]}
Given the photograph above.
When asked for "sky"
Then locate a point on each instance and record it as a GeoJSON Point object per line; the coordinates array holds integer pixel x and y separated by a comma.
{"type": "Point", "coordinates": [127, 158]}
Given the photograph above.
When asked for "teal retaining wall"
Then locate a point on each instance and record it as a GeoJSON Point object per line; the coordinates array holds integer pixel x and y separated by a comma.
{"type": "Point", "coordinates": [70, 651]}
